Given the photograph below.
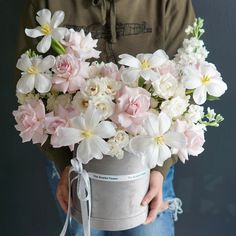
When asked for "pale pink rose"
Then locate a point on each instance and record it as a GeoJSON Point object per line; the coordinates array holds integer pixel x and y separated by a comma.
{"type": "Point", "coordinates": [81, 45]}
{"type": "Point", "coordinates": [58, 119]}
{"type": "Point", "coordinates": [70, 73]}
{"type": "Point", "coordinates": [169, 67]}
{"type": "Point", "coordinates": [111, 70]}
{"type": "Point", "coordinates": [194, 135]}
{"type": "Point", "coordinates": [132, 108]}
{"type": "Point", "coordinates": [30, 119]}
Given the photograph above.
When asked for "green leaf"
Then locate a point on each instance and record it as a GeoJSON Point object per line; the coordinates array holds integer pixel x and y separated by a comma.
{"type": "Point", "coordinates": [141, 81]}
{"type": "Point", "coordinates": [212, 98]}
{"type": "Point", "coordinates": [189, 91]}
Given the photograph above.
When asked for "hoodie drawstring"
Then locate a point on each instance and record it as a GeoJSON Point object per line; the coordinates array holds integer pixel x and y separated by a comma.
{"type": "Point", "coordinates": [103, 6]}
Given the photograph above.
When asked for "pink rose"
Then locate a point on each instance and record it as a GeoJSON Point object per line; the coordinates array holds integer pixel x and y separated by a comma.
{"type": "Point", "coordinates": [132, 108]}
{"type": "Point", "coordinates": [70, 73]}
{"type": "Point", "coordinates": [194, 135]}
{"type": "Point", "coordinates": [54, 121]}
{"type": "Point", "coordinates": [30, 119]}
{"type": "Point", "coordinates": [81, 45]}
{"type": "Point", "coordinates": [111, 70]}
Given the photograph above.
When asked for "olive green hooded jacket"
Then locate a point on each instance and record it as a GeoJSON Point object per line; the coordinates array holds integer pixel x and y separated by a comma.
{"type": "Point", "coordinates": [121, 26]}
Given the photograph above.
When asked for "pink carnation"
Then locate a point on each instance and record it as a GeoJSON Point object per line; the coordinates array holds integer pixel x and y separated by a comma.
{"type": "Point", "coordinates": [30, 119]}
{"type": "Point", "coordinates": [194, 135]}
{"type": "Point", "coordinates": [70, 73]}
{"type": "Point", "coordinates": [132, 108]}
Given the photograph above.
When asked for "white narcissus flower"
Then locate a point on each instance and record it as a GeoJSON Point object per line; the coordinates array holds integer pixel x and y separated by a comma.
{"type": "Point", "coordinates": [153, 147]}
{"type": "Point", "coordinates": [205, 79]}
{"type": "Point", "coordinates": [141, 65]}
{"type": "Point", "coordinates": [35, 74]}
{"type": "Point", "coordinates": [48, 29]}
{"type": "Point", "coordinates": [89, 131]}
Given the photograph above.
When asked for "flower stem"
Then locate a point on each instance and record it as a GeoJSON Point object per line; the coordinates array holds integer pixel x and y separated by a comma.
{"type": "Point", "coordinates": [57, 47]}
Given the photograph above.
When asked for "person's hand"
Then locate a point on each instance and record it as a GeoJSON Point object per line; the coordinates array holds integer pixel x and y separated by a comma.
{"type": "Point", "coordinates": [62, 191]}
{"type": "Point", "coordinates": [154, 197]}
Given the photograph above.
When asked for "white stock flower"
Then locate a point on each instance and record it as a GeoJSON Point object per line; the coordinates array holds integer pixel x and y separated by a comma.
{"type": "Point", "coordinates": [23, 98]}
{"type": "Point", "coordinates": [141, 65]}
{"type": "Point", "coordinates": [194, 113]}
{"type": "Point", "coordinates": [48, 28]}
{"type": "Point", "coordinates": [89, 131]}
{"type": "Point", "coordinates": [122, 138]}
{"type": "Point", "coordinates": [154, 146]}
{"type": "Point", "coordinates": [175, 107]}
{"type": "Point", "coordinates": [104, 104]}
{"type": "Point", "coordinates": [210, 114]}
{"type": "Point", "coordinates": [165, 86]}
{"type": "Point", "coordinates": [204, 79]}
{"type": "Point", "coordinates": [115, 150]}
{"type": "Point", "coordinates": [193, 52]}
{"type": "Point", "coordinates": [35, 74]}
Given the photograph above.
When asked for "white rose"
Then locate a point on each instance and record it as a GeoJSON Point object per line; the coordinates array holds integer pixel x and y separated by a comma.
{"type": "Point", "coordinates": [175, 107]}
{"type": "Point", "coordinates": [104, 104]}
{"type": "Point", "coordinates": [195, 113]}
{"type": "Point", "coordinates": [93, 87]}
{"type": "Point", "coordinates": [166, 86]}
{"type": "Point", "coordinates": [111, 86]}
{"type": "Point", "coordinates": [80, 102]}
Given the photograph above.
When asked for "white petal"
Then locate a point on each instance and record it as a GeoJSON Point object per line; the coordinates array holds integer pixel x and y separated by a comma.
{"type": "Point", "coordinates": [148, 75]}
{"type": "Point", "coordinates": [68, 136]}
{"type": "Point", "coordinates": [140, 145]}
{"type": "Point", "coordinates": [92, 117]}
{"type": "Point", "coordinates": [200, 95]}
{"type": "Point", "coordinates": [43, 17]}
{"type": "Point", "coordinates": [44, 45]}
{"type": "Point", "coordinates": [26, 84]}
{"type": "Point", "coordinates": [164, 123]}
{"type": "Point", "coordinates": [158, 58]}
{"type": "Point", "coordinates": [99, 146]}
{"type": "Point", "coordinates": [192, 78]}
{"type": "Point", "coordinates": [217, 88]}
{"type": "Point", "coordinates": [175, 140]}
{"type": "Point", "coordinates": [59, 33]}
{"type": "Point", "coordinates": [24, 63]}
{"type": "Point", "coordinates": [34, 33]}
{"type": "Point", "coordinates": [43, 83]}
{"type": "Point", "coordinates": [129, 60]}
{"type": "Point", "coordinates": [164, 153]}
{"type": "Point", "coordinates": [151, 125]}
{"type": "Point", "coordinates": [105, 129]}
{"type": "Point", "coordinates": [84, 153]}
{"type": "Point", "coordinates": [57, 19]}
{"type": "Point", "coordinates": [46, 64]}
{"type": "Point", "coordinates": [130, 75]}
{"type": "Point", "coordinates": [78, 122]}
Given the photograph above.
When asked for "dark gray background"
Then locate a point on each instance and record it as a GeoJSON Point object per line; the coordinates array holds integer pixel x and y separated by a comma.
{"type": "Point", "coordinates": [206, 185]}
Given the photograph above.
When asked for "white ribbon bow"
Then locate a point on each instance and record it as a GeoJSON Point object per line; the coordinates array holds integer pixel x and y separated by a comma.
{"type": "Point", "coordinates": [84, 195]}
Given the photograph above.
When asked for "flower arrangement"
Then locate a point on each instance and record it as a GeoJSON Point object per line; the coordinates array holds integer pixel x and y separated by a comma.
{"type": "Point", "coordinates": [151, 106]}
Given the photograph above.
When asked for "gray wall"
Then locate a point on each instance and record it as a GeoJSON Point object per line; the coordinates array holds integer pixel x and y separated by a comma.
{"type": "Point", "coordinates": [206, 185]}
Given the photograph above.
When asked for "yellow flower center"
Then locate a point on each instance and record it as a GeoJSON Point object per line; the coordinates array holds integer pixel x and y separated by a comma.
{"type": "Point", "coordinates": [159, 139]}
{"type": "Point", "coordinates": [46, 29]}
{"type": "Point", "coordinates": [145, 65]}
{"type": "Point", "coordinates": [205, 79]}
{"type": "Point", "coordinates": [32, 70]}
{"type": "Point", "coordinates": [86, 134]}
